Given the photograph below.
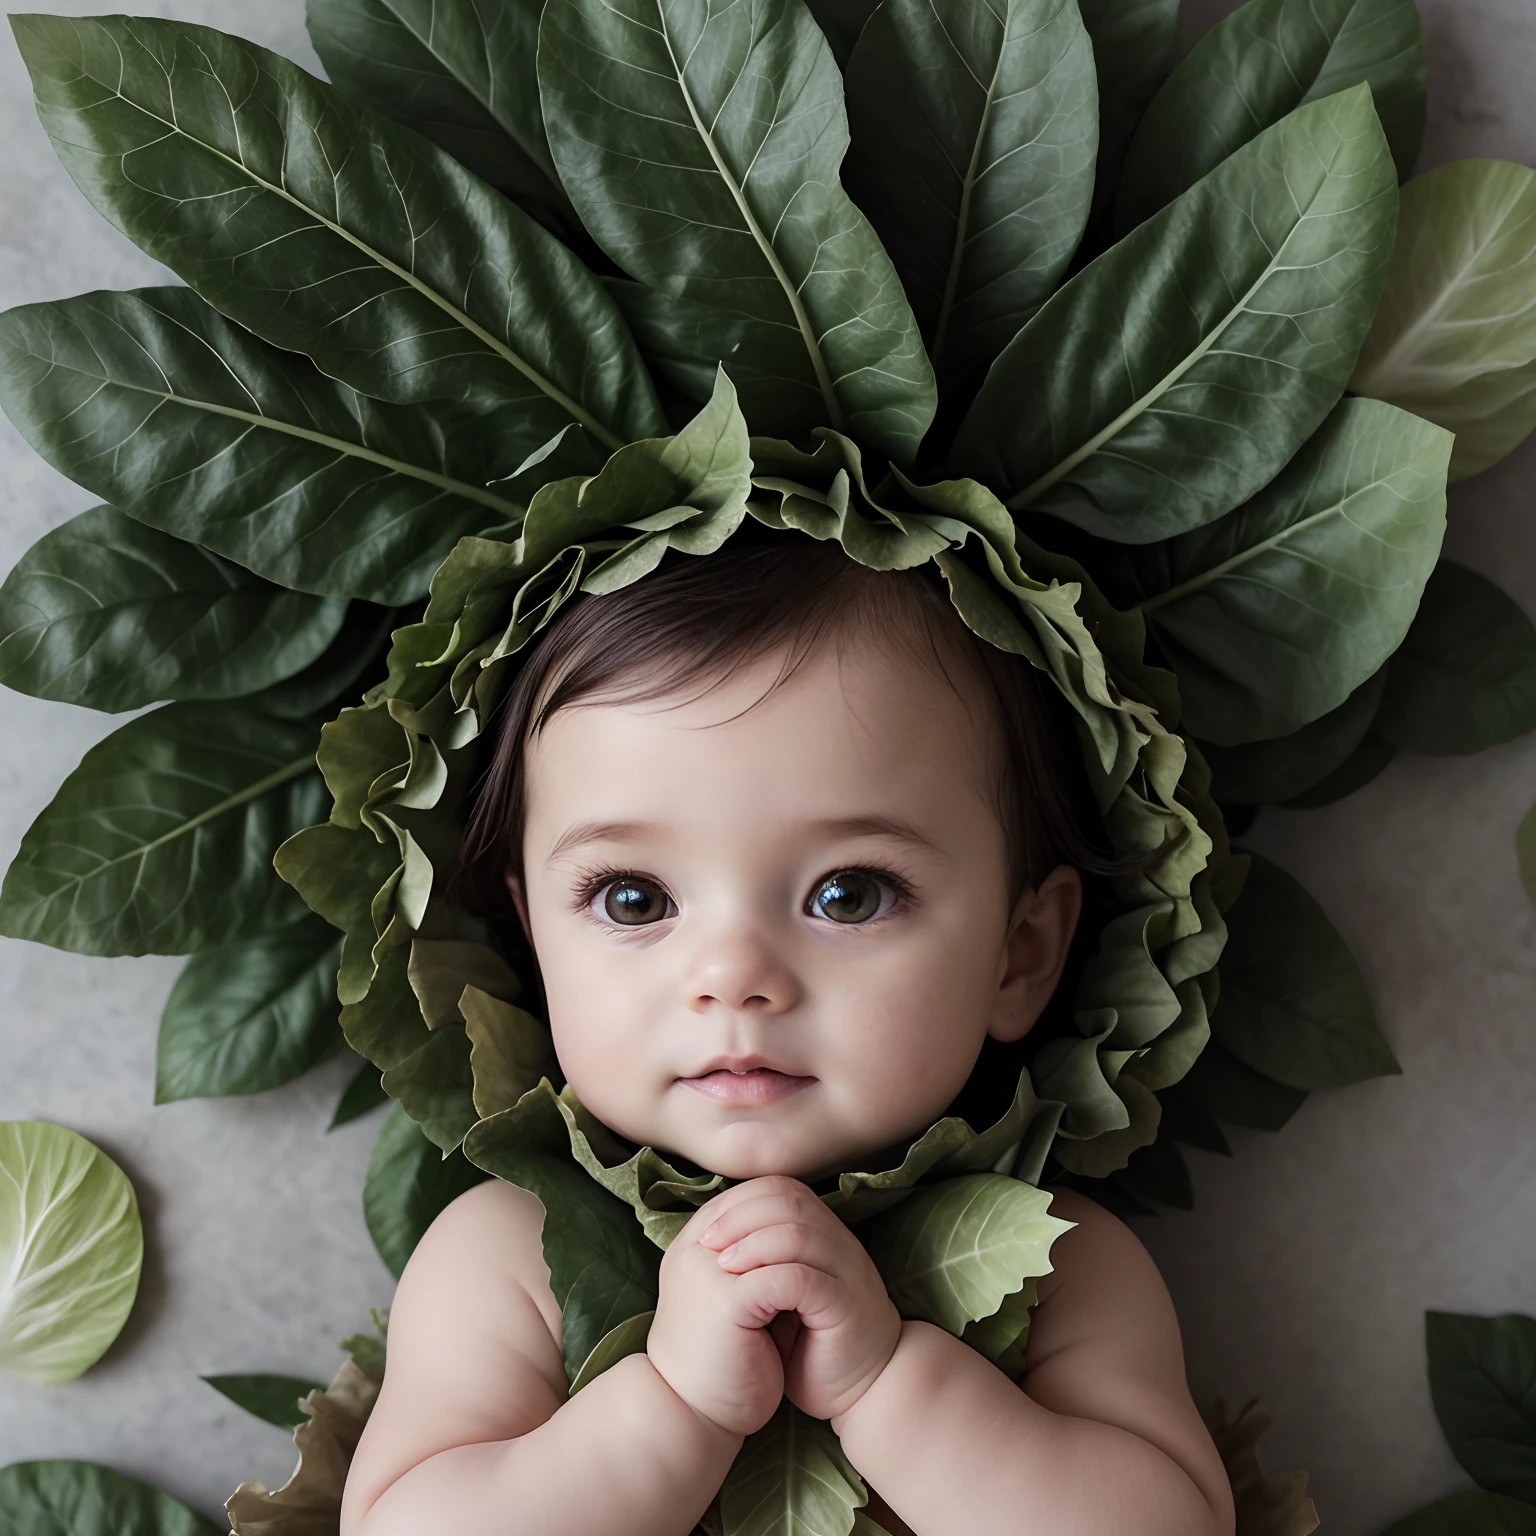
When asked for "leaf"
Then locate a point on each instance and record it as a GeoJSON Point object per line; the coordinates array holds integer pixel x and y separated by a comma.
{"type": "Point", "coordinates": [1482, 1379]}
{"type": "Point", "coordinates": [344, 668]}
{"type": "Point", "coordinates": [1177, 374]}
{"type": "Point", "coordinates": [251, 1015]}
{"type": "Point", "coordinates": [364, 1094]}
{"type": "Point", "coordinates": [326, 229]}
{"type": "Point", "coordinates": [408, 1185]}
{"type": "Point", "coordinates": [1293, 1003]}
{"type": "Point", "coordinates": [715, 180]}
{"type": "Point", "coordinates": [273, 1398]}
{"type": "Point", "coordinates": [841, 22]}
{"type": "Point", "coordinates": [791, 1478]}
{"type": "Point", "coordinates": [154, 401]}
{"type": "Point", "coordinates": [71, 1247]}
{"type": "Point", "coordinates": [1455, 337]}
{"type": "Point", "coordinates": [1158, 1174]}
{"type": "Point", "coordinates": [1272, 772]}
{"type": "Point", "coordinates": [1264, 60]}
{"type": "Point", "coordinates": [974, 132]}
{"type": "Point", "coordinates": [161, 841]}
{"type": "Point", "coordinates": [1468, 1514]}
{"type": "Point", "coordinates": [1357, 770]}
{"type": "Point", "coordinates": [1273, 1504]}
{"type": "Point", "coordinates": [1273, 616]}
{"type": "Point", "coordinates": [110, 614]}
{"type": "Point", "coordinates": [75, 1498]}
{"type": "Point", "coordinates": [1132, 43]}
{"type": "Point", "coordinates": [462, 73]}
{"type": "Point", "coordinates": [951, 1251]}
{"type": "Point", "coordinates": [626, 1338]}
{"type": "Point", "coordinates": [1464, 679]}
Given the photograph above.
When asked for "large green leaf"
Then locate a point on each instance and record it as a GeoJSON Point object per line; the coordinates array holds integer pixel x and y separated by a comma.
{"type": "Point", "coordinates": [1264, 60]}
{"type": "Point", "coordinates": [1455, 337]}
{"type": "Point", "coordinates": [1365, 763]}
{"type": "Point", "coordinates": [462, 73]}
{"type": "Point", "coordinates": [1222, 1085]}
{"type": "Point", "coordinates": [974, 132]}
{"type": "Point", "coordinates": [161, 841]}
{"type": "Point", "coordinates": [791, 1478]}
{"type": "Point", "coordinates": [1274, 615]}
{"type": "Point", "coordinates": [1464, 679]}
{"type": "Point", "coordinates": [252, 1015]}
{"type": "Point", "coordinates": [1132, 43]}
{"type": "Point", "coordinates": [1468, 1514]}
{"type": "Point", "coordinates": [841, 22]}
{"type": "Point", "coordinates": [274, 1399]}
{"type": "Point", "coordinates": [1482, 1378]}
{"type": "Point", "coordinates": [1174, 376]}
{"type": "Point", "coordinates": [1293, 1003]}
{"type": "Point", "coordinates": [155, 401]}
{"type": "Point", "coordinates": [75, 1498]}
{"type": "Point", "coordinates": [328, 230]}
{"type": "Point", "coordinates": [408, 1186]}
{"type": "Point", "coordinates": [701, 147]}
{"type": "Point", "coordinates": [1271, 772]}
{"type": "Point", "coordinates": [109, 613]}
{"type": "Point", "coordinates": [951, 1251]}
{"type": "Point", "coordinates": [352, 662]}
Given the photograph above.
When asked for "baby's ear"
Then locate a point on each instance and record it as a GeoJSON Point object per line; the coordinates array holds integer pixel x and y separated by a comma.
{"type": "Point", "coordinates": [520, 901]}
{"type": "Point", "coordinates": [1039, 937]}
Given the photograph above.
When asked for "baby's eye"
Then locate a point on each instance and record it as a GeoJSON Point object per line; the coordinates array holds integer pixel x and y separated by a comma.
{"type": "Point", "coordinates": [632, 901]}
{"type": "Point", "coordinates": [851, 896]}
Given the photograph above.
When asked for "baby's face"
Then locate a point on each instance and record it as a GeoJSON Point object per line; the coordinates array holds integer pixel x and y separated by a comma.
{"type": "Point", "coordinates": [774, 938]}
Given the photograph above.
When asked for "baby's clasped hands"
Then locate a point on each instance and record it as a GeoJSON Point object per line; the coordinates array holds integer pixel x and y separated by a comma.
{"type": "Point", "coordinates": [761, 1248]}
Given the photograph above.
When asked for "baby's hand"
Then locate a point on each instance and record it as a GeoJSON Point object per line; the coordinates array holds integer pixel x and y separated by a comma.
{"type": "Point", "coordinates": [845, 1327]}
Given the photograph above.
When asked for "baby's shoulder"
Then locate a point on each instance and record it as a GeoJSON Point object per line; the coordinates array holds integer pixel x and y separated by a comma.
{"type": "Point", "coordinates": [1098, 1243]}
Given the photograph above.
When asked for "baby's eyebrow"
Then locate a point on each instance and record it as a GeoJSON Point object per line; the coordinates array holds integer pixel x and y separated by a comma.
{"type": "Point", "coordinates": [584, 832]}
{"type": "Point", "coordinates": [875, 826]}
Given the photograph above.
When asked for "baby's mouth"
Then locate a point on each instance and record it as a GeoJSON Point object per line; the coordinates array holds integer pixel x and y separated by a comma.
{"type": "Point", "coordinates": [756, 1085]}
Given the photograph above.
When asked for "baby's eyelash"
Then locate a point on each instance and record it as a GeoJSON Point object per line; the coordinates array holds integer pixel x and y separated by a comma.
{"type": "Point", "coordinates": [590, 881]}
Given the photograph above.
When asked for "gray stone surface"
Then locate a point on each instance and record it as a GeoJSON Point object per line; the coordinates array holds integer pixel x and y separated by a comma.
{"type": "Point", "coordinates": [1303, 1273]}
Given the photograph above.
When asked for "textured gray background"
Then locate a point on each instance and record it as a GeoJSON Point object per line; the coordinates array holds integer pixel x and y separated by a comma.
{"type": "Point", "coordinates": [1301, 1277]}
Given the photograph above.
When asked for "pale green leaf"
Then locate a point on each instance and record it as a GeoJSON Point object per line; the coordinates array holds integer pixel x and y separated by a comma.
{"type": "Point", "coordinates": [791, 1478]}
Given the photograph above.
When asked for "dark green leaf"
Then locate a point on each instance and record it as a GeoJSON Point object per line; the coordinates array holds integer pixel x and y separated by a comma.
{"type": "Point", "coordinates": [408, 1186]}
{"type": "Point", "coordinates": [1482, 1378]}
{"type": "Point", "coordinates": [273, 1398]}
{"type": "Point", "coordinates": [974, 132]}
{"type": "Point", "coordinates": [156, 402]}
{"type": "Point", "coordinates": [1132, 43]}
{"type": "Point", "coordinates": [108, 613]}
{"type": "Point", "coordinates": [1266, 59]}
{"type": "Point", "coordinates": [1464, 679]}
{"type": "Point", "coordinates": [1275, 615]}
{"type": "Point", "coordinates": [361, 1096]}
{"type": "Point", "coordinates": [655, 131]}
{"type": "Point", "coordinates": [325, 229]}
{"type": "Point", "coordinates": [1469, 1514]}
{"type": "Point", "coordinates": [462, 73]}
{"type": "Point", "coordinates": [1455, 337]}
{"type": "Point", "coordinates": [252, 1015]}
{"type": "Point", "coordinates": [1293, 1003]}
{"type": "Point", "coordinates": [1177, 374]}
{"type": "Point", "coordinates": [75, 1498]}
{"type": "Point", "coordinates": [841, 22]}
{"type": "Point", "coordinates": [1224, 1086]}
{"type": "Point", "coordinates": [161, 841]}
{"type": "Point", "coordinates": [1187, 1120]}
{"type": "Point", "coordinates": [1158, 1174]}
{"type": "Point", "coordinates": [351, 663]}
{"type": "Point", "coordinates": [1272, 772]}
{"type": "Point", "coordinates": [1357, 770]}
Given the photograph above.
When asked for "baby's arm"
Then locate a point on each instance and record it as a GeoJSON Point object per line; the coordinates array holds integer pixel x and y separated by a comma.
{"type": "Point", "coordinates": [473, 1433]}
{"type": "Point", "coordinates": [1104, 1437]}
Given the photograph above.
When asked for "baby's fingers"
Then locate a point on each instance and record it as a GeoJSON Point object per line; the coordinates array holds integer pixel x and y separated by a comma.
{"type": "Point", "coordinates": [786, 1242]}
{"type": "Point", "coordinates": [820, 1300]}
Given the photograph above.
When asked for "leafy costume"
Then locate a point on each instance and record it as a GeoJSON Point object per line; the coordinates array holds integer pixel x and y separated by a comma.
{"type": "Point", "coordinates": [591, 283]}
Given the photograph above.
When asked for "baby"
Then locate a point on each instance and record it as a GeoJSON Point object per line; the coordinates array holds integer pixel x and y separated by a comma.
{"type": "Point", "coordinates": [791, 847]}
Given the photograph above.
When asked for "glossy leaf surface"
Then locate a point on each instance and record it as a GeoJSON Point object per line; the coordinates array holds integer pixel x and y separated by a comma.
{"type": "Point", "coordinates": [974, 134]}
{"type": "Point", "coordinates": [1455, 338]}
{"type": "Point", "coordinates": [76, 1498]}
{"type": "Point", "coordinates": [328, 230]}
{"type": "Point", "coordinates": [156, 402]}
{"type": "Point", "coordinates": [1293, 1004]}
{"type": "Point", "coordinates": [701, 147]}
{"type": "Point", "coordinates": [1177, 374]}
{"type": "Point", "coordinates": [1464, 679]}
{"type": "Point", "coordinates": [161, 841]}
{"type": "Point", "coordinates": [108, 613]}
{"type": "Point", "coordinates": [1274, 615]}
{"type": "Point", "coordinates": [1264, 60]}
{"type": "Point", "coordinates": [1482, 1379]}
{"type": "Point", "coordinates": [408, 1185]}
{"type": "Point", "coordinates": [251, 1015]}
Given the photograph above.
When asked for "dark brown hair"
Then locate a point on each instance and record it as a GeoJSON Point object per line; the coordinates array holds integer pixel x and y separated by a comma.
{"type": "Point", "coordinates": [698, 621]}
